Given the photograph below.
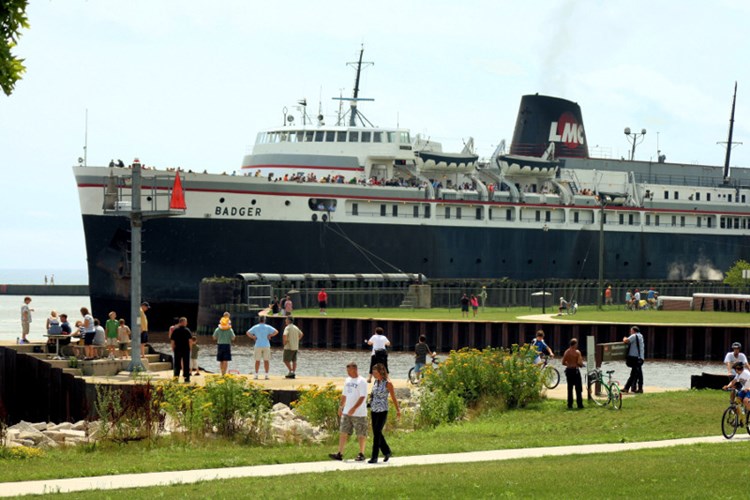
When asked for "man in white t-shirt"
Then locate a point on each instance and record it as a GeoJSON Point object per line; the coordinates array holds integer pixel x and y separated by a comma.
{"type": "Point", "coordinates": [353, 412]}
{"type": "Point", "coordinates": [735, 356]}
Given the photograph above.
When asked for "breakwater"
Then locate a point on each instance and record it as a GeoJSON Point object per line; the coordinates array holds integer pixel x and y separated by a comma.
{"type": "Point", "coordinates": [674, 342]}
{"type": "Point", "coordinates": [48, 290]}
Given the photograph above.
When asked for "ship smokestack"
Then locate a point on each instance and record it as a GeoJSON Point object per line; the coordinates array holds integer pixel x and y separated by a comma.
{"type": "Point", "coordinates": [544, 119]}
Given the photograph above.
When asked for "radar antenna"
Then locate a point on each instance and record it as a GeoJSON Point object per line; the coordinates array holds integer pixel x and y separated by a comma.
{"type": "Point", "coordinates": [353, 112]}
{"type": "Point", "coordinates": [729, 143]}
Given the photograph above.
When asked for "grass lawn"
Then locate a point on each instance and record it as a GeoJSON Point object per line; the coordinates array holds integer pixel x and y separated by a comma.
{"type": "Point", "coordinates": [696, 471]}
{"type": "Point", "coordinates": [643, 418]}
{"type": "Point", "coordinates": [514, 314]}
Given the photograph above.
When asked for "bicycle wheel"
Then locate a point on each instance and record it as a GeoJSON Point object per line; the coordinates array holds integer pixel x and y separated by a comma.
{"type": "Point", "coordinates": [413, 376]}
{"type": "Point", "coordinates": [616, 396]}
{"type": "Point", "coordinates": [729, 423]}
{"type": "Point", "coordinates": [550, 377]}
{"type": "Point", "coordinates": [601, 397]}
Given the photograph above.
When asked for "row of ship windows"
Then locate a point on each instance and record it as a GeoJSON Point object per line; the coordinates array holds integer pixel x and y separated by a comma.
{"type": "Point", "coordinates": [623, 219]}
{"type": "Point", "coordinates": [333, 136]}
{"type": "Point", "coordinates": [697, 196]}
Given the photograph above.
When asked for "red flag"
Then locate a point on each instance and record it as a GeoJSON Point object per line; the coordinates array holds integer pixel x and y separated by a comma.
{"type": "Point", "coordinates": [178, 195]}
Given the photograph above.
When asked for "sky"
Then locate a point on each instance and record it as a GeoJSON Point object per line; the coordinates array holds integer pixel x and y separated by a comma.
{"type": "Point", "coordinates": [190, 83]}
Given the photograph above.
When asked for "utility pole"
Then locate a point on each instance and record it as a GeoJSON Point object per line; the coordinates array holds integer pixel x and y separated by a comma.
{"type": "Point", "coordinates": [601, 254]}
{"type": "Point", "coordinates": [136, 224]}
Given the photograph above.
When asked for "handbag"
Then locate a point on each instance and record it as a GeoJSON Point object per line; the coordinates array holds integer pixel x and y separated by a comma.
{"type": "Point", "coordinates": [633, 361]}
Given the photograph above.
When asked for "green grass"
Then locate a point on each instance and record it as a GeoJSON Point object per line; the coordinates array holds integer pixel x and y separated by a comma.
{"type": "Point", "coordinates": [643, 418]}
{"type": "Point", "coordinates": [614, 314]}
{"type": "Point", "coordinates": [696, 471]}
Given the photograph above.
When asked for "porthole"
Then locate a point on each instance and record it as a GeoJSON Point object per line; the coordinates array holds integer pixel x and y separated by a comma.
{"type": "Point", "coordinates": [287, 203]}
{"type": "Point", "coordinates": [325, 218]}
{"type": "Point", "coordinates": [148, 198]}
{"type": "Point", "coordinates": [252, 202]}
{"type": "Point", "coordinates": [314, 217]}
{"type": "Point", "coordinates": [221, 200]}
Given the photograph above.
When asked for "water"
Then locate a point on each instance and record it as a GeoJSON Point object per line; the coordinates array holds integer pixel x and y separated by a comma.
{"type": "Point", "coordinates": [312, 362]}
{"type": "Point", "coordinates": [36, 276]}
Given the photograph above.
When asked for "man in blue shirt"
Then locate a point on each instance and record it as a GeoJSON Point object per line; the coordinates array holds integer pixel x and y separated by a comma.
{"type": "Point", "coordinates": [261, 334]}
{"type": "Point", "coordinates": [541, 347]}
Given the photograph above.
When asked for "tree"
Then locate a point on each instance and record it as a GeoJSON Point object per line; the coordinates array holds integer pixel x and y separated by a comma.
{"type": "Point", "coordinates": [734, 275]}
{"type": "Point", "coordinates": [12, 19]}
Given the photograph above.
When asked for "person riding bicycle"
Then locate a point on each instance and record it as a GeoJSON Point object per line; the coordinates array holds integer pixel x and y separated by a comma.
{"type": "Point", "coordinates": [741, 382]}
{"type": "Point", "coordinates": [735, 356]}
{"type": "Point", "coordinates": [563, 306]}
{"type": "Point", "coordinates": [541, 347]}
{"type": "Point", "coordinates": [421, 350]}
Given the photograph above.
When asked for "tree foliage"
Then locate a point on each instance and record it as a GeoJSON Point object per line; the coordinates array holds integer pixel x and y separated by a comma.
{"type": "Point", "coordinates": [12, 19]}
{"type": "Point", "coordinates": [734, 275]}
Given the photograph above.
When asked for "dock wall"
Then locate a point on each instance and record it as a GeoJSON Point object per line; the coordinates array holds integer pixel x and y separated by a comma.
{"type": "Point", "coordinates": [62, 290]}
{"type": "Point", "coordinates": [709, 343]}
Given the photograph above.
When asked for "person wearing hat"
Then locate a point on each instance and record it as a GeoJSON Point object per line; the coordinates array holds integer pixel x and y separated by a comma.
{"type": "Point", "coordinates": [144, 327]}
{"type": "Point", "coordinates": [735, 356]}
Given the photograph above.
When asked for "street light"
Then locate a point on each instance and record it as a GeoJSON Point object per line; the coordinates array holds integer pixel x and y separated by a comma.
{"type": "Point", "coordinates": [633, 139]}
{"type": "Point", "coordinates": [544, 276]}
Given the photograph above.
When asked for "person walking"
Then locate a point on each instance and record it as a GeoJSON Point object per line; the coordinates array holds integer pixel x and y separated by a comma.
{"type": "Point", "coordinates": [224, 338]}
{"type": "Point", "coordinates": [261, 334]}
{"type": "Point", "coordinates": [180, 340]}
{"type": "Point", "coordinates": [379, 354]}
{"type": "Point", "coordinates": [379, 412]}
{"type": "Point", "coordinates": [634, 360]}
{"type": "Point", "coordinates": [323, 301]}
{"type": "Point", "coordinates": [352, 412]}
{"type": "Point", "coordinates": [144, 327]}
{"type": "Point", "coordinates": [25, 320]}
{"type": "Point", "coordinates": [292, 336]}
{"type": "Point", "coordinates": [573, 361]}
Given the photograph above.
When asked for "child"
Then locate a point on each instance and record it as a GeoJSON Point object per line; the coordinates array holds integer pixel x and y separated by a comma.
{"type": "Point", "coordinates": [541, 347]}
{"type": "Point", "coordinates": [225, 323]}
{"type": "Point", "coordinates": [111, 327]}
{"type": "Point", "coordinates": [194, 350]}
{"type": "Point", "coordinates": [421, 351]}
{"type": "Point", "coordinates": [123, 338]}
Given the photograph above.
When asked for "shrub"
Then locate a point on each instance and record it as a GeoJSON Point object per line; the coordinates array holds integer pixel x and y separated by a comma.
{"type": "Point", "coordinates": [128, 413]}
{"type": "Point", "coordinates": [21, 453]}
{"type": "Point", "coordinates": [319, 405]}
{"type": "Point", "coordinates": [234, 404]}
{"type": "Point", "coordinates": [183, 403]}
{"type": "Point", "coordinates": [472, 374]}
{"type": "Point", "coordinates": [437, 407]}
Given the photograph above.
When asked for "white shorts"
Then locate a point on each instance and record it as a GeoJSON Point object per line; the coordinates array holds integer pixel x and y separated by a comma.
{"type": "Point", "coordinates": [262, 354]}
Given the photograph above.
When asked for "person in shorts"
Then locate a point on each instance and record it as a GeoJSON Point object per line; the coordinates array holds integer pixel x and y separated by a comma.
{"type": "Point", "coordinates": [144, 327]}
{"type": "Point", "coordinates": [123, 338]}
{"type": "Point", "coordinates": [110, 327]}
{"type": "Point", "coordinates": [323, 301]}
{"type": "Point", "coordinates": [741, 382]}
{"type": "Point", "coordinates": [352, 412]}
{"type": "Point", "coordinates": [261, 334]}
{"type": "Point", "coordinates": [291, 337]}
{"type": "Point", "coordinates": [194, 350]}
{"type": "Point", "coordinates": [88, 329]}
{"type": "Point", "coordinates": [224, 340]}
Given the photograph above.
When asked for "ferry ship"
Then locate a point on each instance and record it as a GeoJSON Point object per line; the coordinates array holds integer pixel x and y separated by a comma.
{"type": "Point", "coordinates": [354, 198]}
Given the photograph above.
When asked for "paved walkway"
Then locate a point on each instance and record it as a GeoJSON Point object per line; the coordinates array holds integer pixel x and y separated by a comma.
{"type": "Point", "coordinates": [193, 476]}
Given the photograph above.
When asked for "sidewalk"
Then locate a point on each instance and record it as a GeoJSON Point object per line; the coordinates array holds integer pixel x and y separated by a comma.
{"type": "Point", "coordinates": [193, 476]}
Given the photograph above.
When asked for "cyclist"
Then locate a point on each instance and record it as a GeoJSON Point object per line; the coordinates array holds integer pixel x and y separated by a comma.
{"type": "Point", "coordinates": [541, 347]}
{"type": "Point", "coordinates": [421, 350]}
{"type": "Point", "coordinates": [741, 382]}
{"type": "Point", "coordinates": [735, 356]}
{"type": "Point", "coordinates": [563, 306]}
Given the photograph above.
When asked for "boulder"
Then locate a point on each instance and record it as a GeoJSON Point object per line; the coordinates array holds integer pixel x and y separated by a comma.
{"type": "Point", "coordinates": [79, 426]}
{"type": "Point", "coordinates": [41, 426]}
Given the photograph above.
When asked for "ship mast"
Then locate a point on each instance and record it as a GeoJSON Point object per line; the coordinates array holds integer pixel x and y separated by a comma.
{"type": "Point", "coordinates": [729, 142]}
{"type": "Point", "coordinates": [354, 114]}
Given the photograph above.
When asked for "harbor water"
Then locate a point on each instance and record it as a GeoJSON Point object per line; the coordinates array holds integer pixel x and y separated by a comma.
{"type": "Point", "coordinates": [312, 362]}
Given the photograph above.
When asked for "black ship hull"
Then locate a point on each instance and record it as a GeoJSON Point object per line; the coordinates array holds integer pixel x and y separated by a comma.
{"type": "Point", "coordinates": [180, 252]}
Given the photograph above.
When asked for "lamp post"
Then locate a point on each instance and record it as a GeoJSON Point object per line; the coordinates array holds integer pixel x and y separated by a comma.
{"type": "Point", "coordinates": [633, 138]}
{"type": "Point", "coordinates": [602, 203]}
{"type": "Point", "coordinates": [544, 276]}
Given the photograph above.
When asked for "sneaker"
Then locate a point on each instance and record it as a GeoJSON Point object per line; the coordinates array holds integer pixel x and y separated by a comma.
{"type": "Point", "coordinates": [335, 456]}
{"type": "Point", "coordinates": [294, 375]}
{"type": "Point", "coordinates": [387, 457]}
{"type": "Point", "coordinates": [360, 458]}
{"type": "Point", "coordinates": [289, 375]}
{"type": "Point", "coordinates": [266, 376]}
{"type": "Point", "coordinates": [255, 377]}
{"type": "Point", "coordinates": [371, 461]}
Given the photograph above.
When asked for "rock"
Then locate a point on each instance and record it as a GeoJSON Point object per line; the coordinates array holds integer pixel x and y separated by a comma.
{"type": "Point", "coordinates": [23, 426]}
{"type": "Point", "coordinates": [35, 436]}
{"type": "Point", "coordinates": [70, 433]}
{"type": "Point", "coordinates": [26, 442]}
{"type": "Point", "coordinates": [41, 426]}
{"type": "Point", "coordinates": [279, 407]}
{"type": "Point", "coordinates": [56, 436]}
{"type": "Point", "coordinates": [79, 426]}
{"type": "Point", "coordinates": [60, 426]}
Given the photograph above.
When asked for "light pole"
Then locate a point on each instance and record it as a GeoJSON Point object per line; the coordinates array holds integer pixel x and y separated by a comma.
{"type": "Point", "coordinates": [544, 276]}
{"type": "Point", "coordinates": [602, 202]}
{"type": "Point", "coordinates": [633, 138]}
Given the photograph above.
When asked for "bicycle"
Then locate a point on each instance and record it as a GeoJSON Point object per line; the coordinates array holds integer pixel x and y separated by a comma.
{"type": "Point", "coordinates": [609, 391]}
{"type": "Point", "coordinates": [415, 377]}
{"type": "Point", "coordinates": [550, 374]}
{"type": "Point", "coordinates": [731, 418]}
{"type": "Point", "coordinates": [572, 308]}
